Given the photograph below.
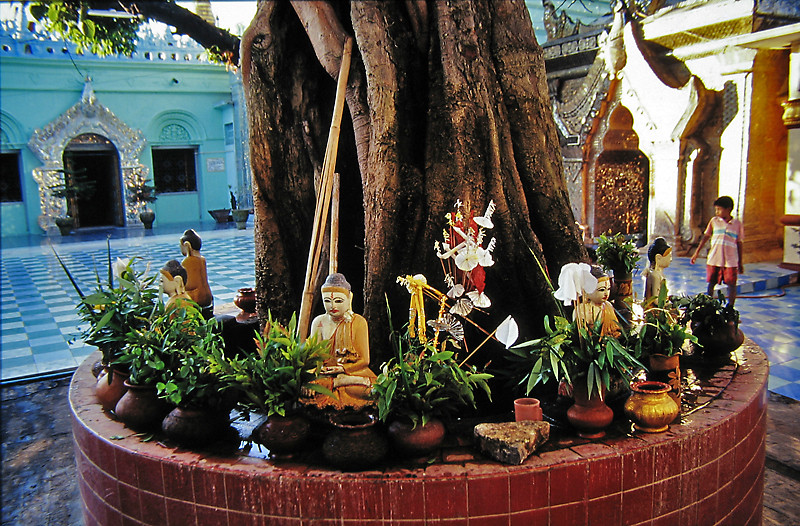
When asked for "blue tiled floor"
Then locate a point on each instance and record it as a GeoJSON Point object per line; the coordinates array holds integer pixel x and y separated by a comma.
{"type": "Point", "coordinates": [37, 301]}
{"type": "Point", "coordinates": [38, 318]}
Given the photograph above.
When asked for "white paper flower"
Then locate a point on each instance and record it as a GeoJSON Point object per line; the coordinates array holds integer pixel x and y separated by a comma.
{"type": "Point", "coordinates": [479, 299]}
{"type": "Point", "coordinates": [119, 266]}
{"type": "Point", "coordinates": [574, 279]}
{"type": "Point", "coordinates": [507, 332]}
{"type": "Point", "coordinates": [486, 258]}
{"type": "Point", "coordinates": [456, 291]}
{"type": "Point", "coordinates": [485, 221]}
{"type": "Point", "coordinates": [469, 257]}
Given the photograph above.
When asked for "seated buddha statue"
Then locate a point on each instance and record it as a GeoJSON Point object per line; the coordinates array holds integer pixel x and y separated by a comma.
{"type": "Point", "coordinates": [595, 306]}
{"type": "Point", "coordinates": [346, 372]}
{"type": "Point", "coordinates": [197, 281]}
{"type": "Point", "coordinates": [660, 256]}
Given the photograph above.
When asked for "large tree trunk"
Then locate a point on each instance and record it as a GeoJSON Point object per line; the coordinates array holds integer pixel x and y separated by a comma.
{"type": "Point", "coordinates": [447, 101]}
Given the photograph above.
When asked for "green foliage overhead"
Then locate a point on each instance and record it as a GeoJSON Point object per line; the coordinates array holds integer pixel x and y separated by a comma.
{"type": "Point", "coordinates": [69, 20]}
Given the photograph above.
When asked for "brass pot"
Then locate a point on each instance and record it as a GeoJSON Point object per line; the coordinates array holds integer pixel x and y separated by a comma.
{"type": "Point", "coordinates": [650, 407]}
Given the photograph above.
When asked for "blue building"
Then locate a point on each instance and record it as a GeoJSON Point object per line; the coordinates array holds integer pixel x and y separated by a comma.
{"type": "Point", "coordinates": [166, 115]}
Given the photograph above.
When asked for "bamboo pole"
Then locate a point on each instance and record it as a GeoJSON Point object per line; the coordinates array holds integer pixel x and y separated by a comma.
{"type": "Point", "coordinates": [333, 260]}
{"type": "Point", "coordinates": [324, 198]}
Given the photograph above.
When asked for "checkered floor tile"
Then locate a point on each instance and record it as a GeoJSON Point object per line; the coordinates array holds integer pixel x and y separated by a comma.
{"type": "Point", "coordinates": [38, 321]}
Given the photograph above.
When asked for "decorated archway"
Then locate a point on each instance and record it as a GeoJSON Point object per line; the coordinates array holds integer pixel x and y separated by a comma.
{"type": "Point", "coordinates": [87, 116]}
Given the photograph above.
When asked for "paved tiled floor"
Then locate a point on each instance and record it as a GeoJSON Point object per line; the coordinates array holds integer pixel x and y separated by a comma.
{"type": "Point", "coordinates": [769, 313]}
{"type": "Point", "coordinates": [37, 302]}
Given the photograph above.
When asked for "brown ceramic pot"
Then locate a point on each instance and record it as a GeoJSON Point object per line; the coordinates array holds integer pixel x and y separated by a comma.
{"type": "Point", "coordinates": [245, 299]}
{"type": "Point", "coordinates": [110, 387]}
{"type": "Point", "coordinates": [720, 344]}
{"type": "Point", "coordinates": [590, 416]}
{"type": "Point", "coordinates": [416, 441]}
{"type": "Point", "coordinates": [195, 427]}
{"type": "Point", "coordinates": [140, 408]}
{"type": "Point", "coordinates": [650, 407]}
{"type": "Point", "coordinates": [283, 435]}
{"type": "Point", "coordinates": [354, 443]}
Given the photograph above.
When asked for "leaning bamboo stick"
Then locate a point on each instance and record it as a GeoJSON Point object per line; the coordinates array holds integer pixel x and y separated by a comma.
{"type": "Point", "coordinates": [333, 259]}
{"type": "Point", "coordinates": [323, 199]}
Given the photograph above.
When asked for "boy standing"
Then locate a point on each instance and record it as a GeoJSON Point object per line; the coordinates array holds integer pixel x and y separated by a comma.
{"type": "Point", "coordinates": [724, 262]}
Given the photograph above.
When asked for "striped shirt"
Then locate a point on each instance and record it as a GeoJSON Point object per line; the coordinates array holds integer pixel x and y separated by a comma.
{"type": "Point", "coordinates": [724, 238]}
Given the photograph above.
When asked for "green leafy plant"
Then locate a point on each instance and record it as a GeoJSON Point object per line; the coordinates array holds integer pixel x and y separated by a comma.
{"type": "Point", "coordinates": [661, 331]}
{"type": "Point", "coordinates": [712, 314]}
{"type": "Point", "coordinates": [616, 254]}
{"type": "Point", "coordinates": [274, 379]}
{"type": "Point", "coordinates": [113, 312]}
{"type": "Point", "coordinates": [141, 193]}
{"type": "Point", "coordinates": [421, 382]}
{"type": "Point", "coordinates": [569, 350]}
{"type": "Point", "coordinates": [171, 354]}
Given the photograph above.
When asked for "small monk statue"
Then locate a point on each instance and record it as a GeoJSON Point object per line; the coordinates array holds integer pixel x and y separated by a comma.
{"type": "Point", "coordinates": [595, 306]}
{"type": "Point", "coordinates": [660, 256]}
{"type": "Point", "coordinates": [346, 373]}
{"type": "Point", "coordinates": [197, 282]}
{"type": "Point", "coordinates": [173, 277]}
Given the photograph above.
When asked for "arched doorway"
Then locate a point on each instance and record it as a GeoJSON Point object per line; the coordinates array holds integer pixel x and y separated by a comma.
{"type": "Point", "coordinates": [94, 158]}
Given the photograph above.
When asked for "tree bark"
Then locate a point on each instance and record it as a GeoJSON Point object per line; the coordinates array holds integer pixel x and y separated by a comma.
{"type": "Point", "coordinates": [447, 101]}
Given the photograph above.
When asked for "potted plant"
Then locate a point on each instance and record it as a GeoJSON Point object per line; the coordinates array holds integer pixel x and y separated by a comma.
{"type": "Point", "coordinates": [123, 303]}
{"type": "Point", "coordinates": [142, 194]}
{"type": "Point", "coordinates": [140, 407]}
{"type": "Point", "coordinates": [585, 359]}
{"type": "Point", "coordinates": [75, 186]}
{"type": "Point", "coordinates": [660, 339]}
{"type": "Point", "coordinates": [240, 213]}
{"type": "Point", "coordinates": [420, 385]}
{"type": "Point", "coordinates": [273, 380]}
{"type": "Point", "coordinates": [714, 324]}
{"type": "Point", "coordinates": [620, 256]}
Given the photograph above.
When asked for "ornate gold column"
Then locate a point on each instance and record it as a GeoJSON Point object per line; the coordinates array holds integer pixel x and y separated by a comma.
{"type": "Point", "coordinates": [791, 118]}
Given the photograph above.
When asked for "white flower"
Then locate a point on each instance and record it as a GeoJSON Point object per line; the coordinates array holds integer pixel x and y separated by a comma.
{"type": "Point", "coordinates": [574, 280]}
{"type": "Point", "coordinates": [119, 266]}
{"type": "Point", "coordinates": [507, 332]}
{"type": "Point", "coordinates": [469, 257]}
{"type": "Point", "coordinates": [485, 221]}
{"type": "Point", "coordinates": [479, 299]}
{"type": "Point", "coordinates": [486, 258]}
{"type": "Point", "coordinates": [456, 290]}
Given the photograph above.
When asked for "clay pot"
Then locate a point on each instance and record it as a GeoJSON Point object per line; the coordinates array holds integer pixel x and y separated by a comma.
{"type": "Point", "coordinates": [416, 441]}
{"type": "Point", "coordinates": [721, 343]}
{"type": "Point", "coordinates": [283, 435]}
{"type": "Point", "coordinates": [667, 369]}
{"type": "Point", "coordinates": [245, 299]}
{"type": "Point", "coordinates": [140, 408]}
{"type": "Point", "coordinates": [527, 409]}
{"type": "Point", "coordinates": [240, 216]}
{"type": "Point", "coordinates": [110, 387]}
{"type": "Point", "coordinates": [354, 443]}
{"type": "Point", "coordinates": [195, 427]}
{"type": "Point", "coordinates": [147, 217]}
{"type": "Point", "coordinates": [590, 416]}
{"type": "Point", "coordinates": [650, 407]}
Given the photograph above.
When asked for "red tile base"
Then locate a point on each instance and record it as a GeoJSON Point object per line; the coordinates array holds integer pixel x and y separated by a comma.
{"type": "Point", "coordinates": [710, 466]}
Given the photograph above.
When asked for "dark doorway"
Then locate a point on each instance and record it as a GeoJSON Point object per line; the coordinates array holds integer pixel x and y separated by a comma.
{"type": "Point", "coordinates": [95, 159]}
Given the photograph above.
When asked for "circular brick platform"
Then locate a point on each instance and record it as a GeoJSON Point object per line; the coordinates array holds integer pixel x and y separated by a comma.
{"type": "Point", "coordinates": [709, 469]}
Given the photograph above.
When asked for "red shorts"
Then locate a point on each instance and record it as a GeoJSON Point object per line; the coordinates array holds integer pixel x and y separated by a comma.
{"type": "Point", "coordinates": [719, 275]}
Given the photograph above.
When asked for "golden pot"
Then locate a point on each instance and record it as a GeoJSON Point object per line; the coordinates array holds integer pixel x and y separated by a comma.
{"type": "Point", "coordinates": [650, 407]}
